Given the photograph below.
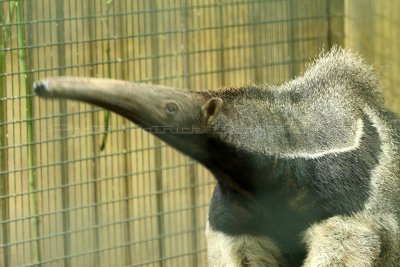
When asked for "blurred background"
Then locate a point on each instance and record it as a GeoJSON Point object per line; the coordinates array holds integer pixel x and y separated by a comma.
{"type": "Point", "coordinates": [83, 187]}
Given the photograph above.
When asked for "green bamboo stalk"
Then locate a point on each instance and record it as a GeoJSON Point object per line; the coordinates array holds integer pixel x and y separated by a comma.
{"type": "Point", "coordinates": [95, 141]}
{"type": "Point", "coordinates": [107, 113]}
{"type": "Point", "coordinates": [155, 75]}
{"type": "Point", "coordinates": [221, 56]}
{"type": "Point", "coordinates": [35, 244]}
{"type": "Point", "coordinates": [294, 67]}
{"type": "Point", "coordinates": [4, 185]}
{"type": "Point", "coordinates": [256, 34]}
{"type": "Point", "coordinates": [64, 171]}
{"type": "Point", "coordinates": [127, 181]}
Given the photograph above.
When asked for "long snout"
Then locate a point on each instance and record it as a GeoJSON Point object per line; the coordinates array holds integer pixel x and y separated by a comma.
{"type": "Point", "coordinates": [131, 100]}
{"type": "Point", "coordinates": [84, 89]}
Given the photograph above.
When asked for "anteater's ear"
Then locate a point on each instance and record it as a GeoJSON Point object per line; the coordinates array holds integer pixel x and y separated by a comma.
{"type": "Point", "coordinates": [211, 109]}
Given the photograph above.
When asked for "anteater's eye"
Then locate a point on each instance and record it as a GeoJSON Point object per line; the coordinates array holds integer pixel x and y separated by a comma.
{"type": "Point", "coordinates": [171, 108]}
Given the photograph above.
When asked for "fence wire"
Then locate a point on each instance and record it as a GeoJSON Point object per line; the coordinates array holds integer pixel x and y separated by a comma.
{"type": "Point", "coordinates": [137, 202]}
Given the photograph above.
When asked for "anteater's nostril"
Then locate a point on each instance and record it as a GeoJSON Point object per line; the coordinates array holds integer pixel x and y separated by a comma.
{"type": "Point", "coordinates": [40, 88]}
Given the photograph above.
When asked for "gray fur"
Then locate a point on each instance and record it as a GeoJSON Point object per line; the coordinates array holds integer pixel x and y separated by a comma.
{"type": "Point", "coordinates": [245, 250]}
{"type": "Point", "coordinates": [308, 172]}
{"type": "Point", "coordinates": [291, 120]}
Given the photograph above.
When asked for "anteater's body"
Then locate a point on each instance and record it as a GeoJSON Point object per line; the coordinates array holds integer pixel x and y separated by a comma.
{"type": "Point", "coordinates": [308, 173]}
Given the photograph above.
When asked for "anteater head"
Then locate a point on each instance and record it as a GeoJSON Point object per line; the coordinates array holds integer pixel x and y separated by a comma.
{"type": "Point", "coordinates": [182, 118]}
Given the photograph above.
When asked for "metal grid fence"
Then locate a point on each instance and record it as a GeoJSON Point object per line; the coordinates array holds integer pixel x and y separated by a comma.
{"type": "Point", "coordinates": [372, 30]}
{"type": "Point", "coordinates": [137, 202]}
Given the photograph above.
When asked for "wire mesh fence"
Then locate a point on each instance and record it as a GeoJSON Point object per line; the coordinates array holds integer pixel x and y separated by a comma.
{"type": "Point", "coordinates": [371, 29]}
{"type": "Point", "coordinates": [81, 187]}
